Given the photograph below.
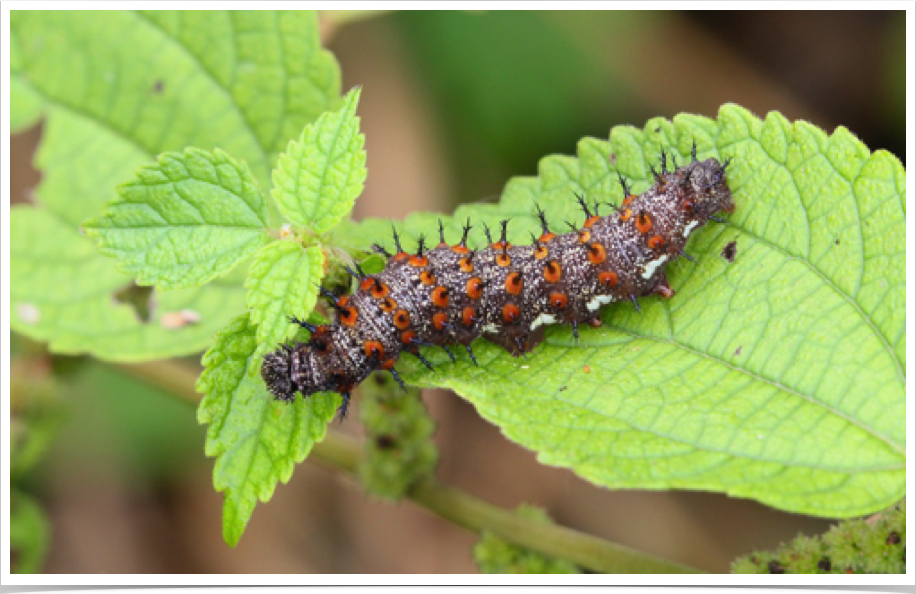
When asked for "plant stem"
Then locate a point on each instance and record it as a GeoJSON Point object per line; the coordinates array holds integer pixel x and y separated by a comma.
{"type": "Point", "coordinates": [342, 453]}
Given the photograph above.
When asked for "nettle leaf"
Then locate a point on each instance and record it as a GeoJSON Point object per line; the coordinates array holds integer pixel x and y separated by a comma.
{"type": "Point", "coordinates": [779, 376]}
{"type": "Point", "coordinates": [117, 88]}
{"type": "Point", "coordinates": [181, 223]}
{"type": "Point", "coordinates": [319, 177]}
{"type": "Point", "coordinates": [63, 291]}
{"type": "Point", "coordinates": [257, 440]}
{"type": "Point", "coordinates": [282, 282]}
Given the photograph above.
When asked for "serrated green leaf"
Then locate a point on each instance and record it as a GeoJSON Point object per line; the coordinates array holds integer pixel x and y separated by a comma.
{"type": "Point", "coordinates": [28, 534]}
{"type": "Point", "coordinates": [257, 440]}
{"type": "Point", "coordinates": [62, 290]}
{"type": "Point", "coordinates": [282, 282]}
{"type": "Point", "coordinates": [117, 88]}
{"type": "Point", "coordinates": [182, 223]}
{"type": "Point", "coordinates": [778, 377]}
{"type": "Point", "coordinates": [319, 177]}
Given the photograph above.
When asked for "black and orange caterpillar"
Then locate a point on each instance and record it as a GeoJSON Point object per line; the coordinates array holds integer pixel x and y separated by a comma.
{"type": "Point", "coordinates": [450, 294]}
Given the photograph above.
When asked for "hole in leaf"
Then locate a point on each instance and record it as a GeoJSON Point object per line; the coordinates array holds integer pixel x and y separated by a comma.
{"type": "Point", "coordinates": [138, 298]}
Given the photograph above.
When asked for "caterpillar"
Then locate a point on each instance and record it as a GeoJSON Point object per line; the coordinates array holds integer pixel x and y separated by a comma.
{"type": "Point", "coordinates": [451, 295]}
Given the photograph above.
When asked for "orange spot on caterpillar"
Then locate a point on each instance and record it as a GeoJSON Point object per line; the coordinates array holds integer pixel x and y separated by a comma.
{"type": "Point", "coordinates": [388, 304]}
{"type": "Point", "coordinates": [643, 223]}
{"type": "Point", "coordinates": [656, 242]}
{"type": "Point", "coordinates": [540, 252]}
{"type": "Point", "coordinates": [467, 316]}
{"type": "Point", "coordinates": [465, 265]}
{"type": "Point", "coordinates": [348, 315]}
{"type": "Point", "coordinates": [596, 253]}
{"type": "Point", "coordinates": [367, 283]}
{"type": "Point", "coordinates": [553, 272]}
{"type": "Point", "coordinates": [511, 313]}
{"type": "Point", "coordinates": [558, 300]}
{"type": "Point", "coordinates": [374, 349]}
{"type": "Point", "coordinates": [514, 283]}
{"type": "Point", "coordinates": [389, 363]}
{"type": "Point", "coordinates": [628, 200]}
{"type": "Point", "coordinates": [402, 319]}
{"type": "Point", "coordinates": [427, 278]}
{"type": "Point", "coordinates": [407, 337]}
{"type": "Point", "coordinates": [380, 290]}
{"type": "Point", "coordinates": [584, 236]}
{"type": "Point", "coordinates": [401, 256]}
{"type": "Point", "coordinates": [460, 249]}
{"type": "Point", "coordinates": [546, 237]}
{"type": "Point", "coordinates": [419, 261]}
{"type": "Point", "coordinates": [474, 288]}
{"type": "Point", "coordinates": [591, 221]}
{"type": "Point", "coordinates": [626, 214]}
{"type": "Point", "coordinates": [608, 279]}
{"type": "Point", "coordinates": [440, 297]}
{"type": "Point", "coordinates": [503, 260]}
{"type": "Point", "coordinates": [439, 320]}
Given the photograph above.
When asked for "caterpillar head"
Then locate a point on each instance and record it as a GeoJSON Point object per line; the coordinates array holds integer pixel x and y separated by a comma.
{"type": "Point", "coordinates": [315, 366]}
{"type": "Point", "coordinates": [708, 189]}
{"type": "Point", "coordinates": [277, 374]}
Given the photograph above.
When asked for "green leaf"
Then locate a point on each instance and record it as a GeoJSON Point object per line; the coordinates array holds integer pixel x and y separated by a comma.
{"type": "Point", "coordinates": [245, 81]}
{"type": "Point", "coordinates": [778, 377]}
{"type": "Point", "coordinates": [319, 177]}
{"type": "Point", "coordinates": [257, 440]}
{"type": "Point", "coordinates": [28, 534]}
{"type": "Point", "coordinates": [25, 104]}
{"type": "Point", "coordinates": [117, 88]}
{"type": "Point", "coordinates": [63, 291]}
{"type": "Point", "coordinates": [282, 282]}
{"type": "Point", "coordinates": [182, 223]}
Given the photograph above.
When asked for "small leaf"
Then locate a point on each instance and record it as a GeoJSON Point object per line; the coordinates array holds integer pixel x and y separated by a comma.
{"type": "Point", "coordinates": [181, 223]}
{"type": "Point", "coordinates": [779, 376]}
{"type": "Point", "coordinates": [319, 177]}
{"type": "Point", "coordinates": [257, 440]}
{"type": "Point", "coordinates": [283, 282]}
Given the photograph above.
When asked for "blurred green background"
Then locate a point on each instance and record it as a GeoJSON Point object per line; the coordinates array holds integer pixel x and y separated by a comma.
{"type": "Point", "coordinates": [454, 104]}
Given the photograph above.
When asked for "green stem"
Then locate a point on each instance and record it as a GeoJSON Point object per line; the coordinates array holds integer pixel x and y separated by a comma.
{"type": "Point", "coordinates": [341, 453]}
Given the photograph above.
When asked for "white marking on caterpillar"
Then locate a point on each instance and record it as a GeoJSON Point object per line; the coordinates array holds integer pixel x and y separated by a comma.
{"type": "Point", "coordinates": [597, 301]}
{"type": "Point", "coordinates": [544, 318]}
{"type": "Point", "coordinates": [652, 266]}
{"type": "Point", "coordinates": [690, 227]}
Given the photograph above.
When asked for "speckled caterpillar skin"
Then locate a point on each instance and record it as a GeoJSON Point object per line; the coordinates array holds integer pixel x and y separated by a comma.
{"type": "Point", "coordinates": [450, 295]}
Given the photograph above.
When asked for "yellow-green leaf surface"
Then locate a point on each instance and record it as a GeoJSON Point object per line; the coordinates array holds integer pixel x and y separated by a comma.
{"type": "Point", "coordinates": [181, 223]}
{"type": "Point", "coordinates": [117, 88]}
{"type": "Point", "coordinates": [257, 440]}
{"type": "Point", "coordinates": [778, 376]}
{"type": "Point", "coordinates": [283, 282]}
{"type": "Point", "coordinates": [63, 291]}
{"type": "Point", "coordinates": [319, 177]}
